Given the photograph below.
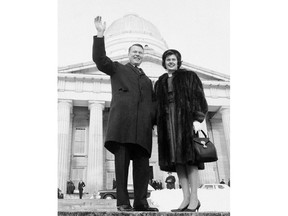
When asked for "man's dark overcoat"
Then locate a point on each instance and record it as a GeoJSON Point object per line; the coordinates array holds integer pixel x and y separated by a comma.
{"type": "Point", "coordinates": [130, 116]}
{"type": "Point", "coordinates": [190, 106]}
{"type": "Point", "coordinates": [81, 186]}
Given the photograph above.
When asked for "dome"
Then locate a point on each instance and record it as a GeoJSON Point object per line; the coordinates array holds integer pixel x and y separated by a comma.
{"type": "Point", "coordinates": [130, 29]}
{"type": "Point", "coordinates": [132, 23]}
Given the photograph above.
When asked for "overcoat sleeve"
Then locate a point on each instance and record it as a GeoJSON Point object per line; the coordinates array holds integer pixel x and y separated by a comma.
{"type": "Point", "coordinates": [201, 107]}
{"type": "Point", "coordinates": [104, 63]}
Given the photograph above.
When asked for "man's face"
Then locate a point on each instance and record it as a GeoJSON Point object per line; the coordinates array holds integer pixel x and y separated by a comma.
{"type": "Point", "coordinates": [135, 55]}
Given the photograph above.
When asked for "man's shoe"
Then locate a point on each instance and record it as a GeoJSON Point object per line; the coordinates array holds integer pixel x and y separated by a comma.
{"type": "Point", "coordinates": [124, 208]}
{"type": "Point", "coordinates": [145, 208]}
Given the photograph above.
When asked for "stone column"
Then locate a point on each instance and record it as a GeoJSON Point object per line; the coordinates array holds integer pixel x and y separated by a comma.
{"type": "Point", "coordinates": [208, 174]}
{"type": "Point", "coordinates": [225, 114]}
{"type": "Point", "coordinates": [64, 112]}
{"type": "Point", "coordinates": [95, 166]}
{"type": "Point", "coordinates": [70, 144]}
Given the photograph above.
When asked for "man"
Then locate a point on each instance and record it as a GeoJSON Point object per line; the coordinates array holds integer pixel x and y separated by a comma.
{"type": "Point", "coordinates": [81, 186]}
{"type": "Point", "coordinates": [154, 184]}
{"type": "Point", "coordinates": [129, 131]}
{"type": "Point", "coordinates": [70, 187]}
{"type": "Point", "coordinates": [170, 181]}
{"type": "Point", "coordinates": [60, 194]}
{"type": "Point", "coordinates": [160, 187]}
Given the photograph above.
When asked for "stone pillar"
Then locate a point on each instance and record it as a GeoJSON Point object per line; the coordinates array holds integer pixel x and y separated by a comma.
{"type": "Point", "coordinates": [64, 112]}
{"type": "Point", "coordinates": [225, 114]}
{"type": "Point", "coordinates": [208, 174]}
{"type": "Point", "coordinates": [95, 166]}
{"type": "Point", "coordinates": [70, 144]}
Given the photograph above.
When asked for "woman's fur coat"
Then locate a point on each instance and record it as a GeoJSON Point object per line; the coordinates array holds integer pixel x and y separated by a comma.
{"type": "Point", "coordinates": [190, 106]}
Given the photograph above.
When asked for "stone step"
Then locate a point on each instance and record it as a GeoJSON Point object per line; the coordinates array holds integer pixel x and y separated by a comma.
{"type": "Point", "coordinates": [103, 213]}
{"type": "Point", "coordinates": [86, 204]}
{"type": "Point", "coordinates": [76, 196]}
{"type": "Point", "coordinates": [102, 207]}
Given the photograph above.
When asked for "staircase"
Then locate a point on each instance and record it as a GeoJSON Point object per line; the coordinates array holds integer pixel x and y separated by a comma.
{"type": "Point", "coordinates": [86, 204]}
{"type": "Point", "coordinates": [102, 207]}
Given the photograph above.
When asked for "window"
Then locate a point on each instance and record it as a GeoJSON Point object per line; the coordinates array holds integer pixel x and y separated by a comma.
{"type": "Point", "coordinates": [221, 187]}
{"type": "Point", "coordinates": [80, 137]}
{"type": "Point", "coordinates": [209, 187]}
{"type": "Point", "coordinates": [77, 174]}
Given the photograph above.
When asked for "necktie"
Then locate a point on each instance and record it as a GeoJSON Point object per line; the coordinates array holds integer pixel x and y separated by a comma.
{"type": "Point", "coordinates": [139, 70]}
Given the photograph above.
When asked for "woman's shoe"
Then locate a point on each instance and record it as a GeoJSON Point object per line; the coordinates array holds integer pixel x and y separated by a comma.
{"type": "Point", "coordinates": [179, 210]}
{"type": "Point", "coordinates": [194, 210]}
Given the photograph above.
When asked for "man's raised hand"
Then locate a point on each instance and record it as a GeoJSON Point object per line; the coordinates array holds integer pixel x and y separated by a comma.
{"type": "Point", "coordinates": [99, 26]}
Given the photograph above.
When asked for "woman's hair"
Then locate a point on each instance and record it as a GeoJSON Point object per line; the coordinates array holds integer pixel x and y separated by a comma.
{"type": "Point", "coordinates": [171, 52]}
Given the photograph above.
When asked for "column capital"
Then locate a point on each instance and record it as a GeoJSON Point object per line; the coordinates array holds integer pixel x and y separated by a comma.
{"type": "Point", "coordinates": [100, 104]}
{"type": "Point", "coordinates": [67, 102]}
{"type": "Point", "coordinates": [224, 109]}
{"type": "Point", "coordinates": [70, 102]}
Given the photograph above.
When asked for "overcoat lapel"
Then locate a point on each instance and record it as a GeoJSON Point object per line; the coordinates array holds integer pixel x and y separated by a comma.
{"type": "Point", "coordinates": [135, 70]}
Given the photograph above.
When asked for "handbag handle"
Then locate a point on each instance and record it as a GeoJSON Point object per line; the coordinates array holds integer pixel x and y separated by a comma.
{"type": "Point", "coordinates": [202, 133]}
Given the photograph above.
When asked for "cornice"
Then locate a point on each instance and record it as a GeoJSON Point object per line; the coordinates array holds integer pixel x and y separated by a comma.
{"type": "Point", "coordinates": [102, 76]}
{"type": "Point", "coordinates": [206, 71]}
{"type": "Point", "coordinates": [97, 76]}
{"type": "Point", "coordinates": [215, 83]}
{"type": "Point", "coordinates": [154, 57]}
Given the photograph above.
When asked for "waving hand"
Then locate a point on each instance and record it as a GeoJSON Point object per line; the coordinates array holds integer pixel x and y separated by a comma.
{"type": "Point", "coordinates": [100, 27]}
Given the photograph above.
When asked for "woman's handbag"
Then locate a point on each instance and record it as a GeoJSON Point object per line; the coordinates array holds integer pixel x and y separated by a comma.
{"type": "Point", "coordinates": [205, 149]}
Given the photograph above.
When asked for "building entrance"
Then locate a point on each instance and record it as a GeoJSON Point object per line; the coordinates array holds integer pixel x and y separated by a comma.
{"type": "Point", "coordinates": [79, 151]}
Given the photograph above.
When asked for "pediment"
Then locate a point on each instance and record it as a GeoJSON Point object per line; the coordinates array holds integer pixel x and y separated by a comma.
{"type": "Point", "coordinates": [152, 66]}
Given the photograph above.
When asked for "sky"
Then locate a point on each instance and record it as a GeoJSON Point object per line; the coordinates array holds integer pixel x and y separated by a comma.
{"type": "Point", "coordinates": [199, 29]}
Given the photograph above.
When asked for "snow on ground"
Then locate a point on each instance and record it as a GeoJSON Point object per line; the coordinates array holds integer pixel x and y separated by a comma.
{"type": "Point", "coordinates": [211, 200]}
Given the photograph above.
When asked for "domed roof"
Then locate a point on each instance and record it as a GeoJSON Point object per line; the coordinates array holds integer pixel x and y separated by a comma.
{"type": "Point", "coordinates": [130, 29]}
{"type": "Point", "coordinates": [132, 23]}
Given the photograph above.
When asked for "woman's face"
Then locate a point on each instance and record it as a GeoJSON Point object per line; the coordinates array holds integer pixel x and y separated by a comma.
{"type": "Point", "coordinates": [171, 63]}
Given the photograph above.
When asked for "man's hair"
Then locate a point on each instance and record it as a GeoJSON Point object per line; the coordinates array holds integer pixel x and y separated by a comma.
{"type": "Point", "coordinates": [139, 45]}
{"type": "Point", "coordinates": [171, 52]}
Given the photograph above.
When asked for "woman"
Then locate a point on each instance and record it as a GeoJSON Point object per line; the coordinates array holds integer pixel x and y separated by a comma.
{"type": "Point", "coordinates": [181, 107]}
